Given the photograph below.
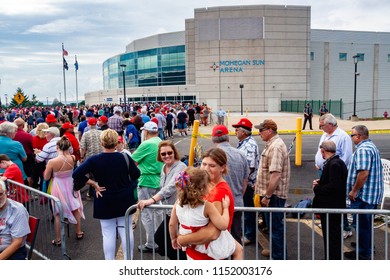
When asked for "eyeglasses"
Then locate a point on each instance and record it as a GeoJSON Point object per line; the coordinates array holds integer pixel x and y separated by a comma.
{"type": "Point", "coordinates": [166, 153]}
{"type": "Point", "coordinates": [352, 135]}
{"type": "Point", "coordinates": [263, 129]}
{"type": "Point", "coordinates": [2, 193]}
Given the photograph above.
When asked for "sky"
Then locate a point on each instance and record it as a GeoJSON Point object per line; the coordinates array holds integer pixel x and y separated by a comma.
{"type": "Point", "coordinates": [32, 33]}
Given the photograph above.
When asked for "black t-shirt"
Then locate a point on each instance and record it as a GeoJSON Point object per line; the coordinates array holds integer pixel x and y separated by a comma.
{"type": "Point", "coordinates": [181, 117]}
{"type": "Point", "coordinates": [191, 113]}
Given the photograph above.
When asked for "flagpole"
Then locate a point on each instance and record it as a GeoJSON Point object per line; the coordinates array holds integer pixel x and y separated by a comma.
{"type": "Point", "coordinates": [77, 88]}
{"type": "Point", "coordinates": [63, 71]}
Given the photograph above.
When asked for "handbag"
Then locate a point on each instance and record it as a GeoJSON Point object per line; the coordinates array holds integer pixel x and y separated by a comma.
{"type": "Point", "coordinates": [128, 167]}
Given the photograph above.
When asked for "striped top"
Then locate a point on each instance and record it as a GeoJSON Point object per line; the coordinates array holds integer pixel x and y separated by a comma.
{"type": "Point", "coordinates": [49, 151]}
{"type": "Point", "coordinates": [367, 157]}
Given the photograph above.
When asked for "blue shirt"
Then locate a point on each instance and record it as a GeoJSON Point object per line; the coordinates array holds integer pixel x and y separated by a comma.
{"type": "Point", "coordinates": [367, 157]}
{"type": "Point", "coordinates": [82, 126]}
{"type": "Point", "coordinates": [131, 129]}
{"type": "Point", "coordinates": [343, 146]}
{"type": "Point", "coordinates": [145, 118]}
{"type": "Point", "coordinates": [14, 150]}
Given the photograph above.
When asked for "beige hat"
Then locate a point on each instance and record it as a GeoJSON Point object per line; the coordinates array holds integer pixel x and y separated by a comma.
{"type": "Point", "coordinates": [53, 130]}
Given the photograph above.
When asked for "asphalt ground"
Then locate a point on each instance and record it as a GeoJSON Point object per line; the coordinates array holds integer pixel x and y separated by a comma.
{"type": "Point", "coordinates": [90, 248]}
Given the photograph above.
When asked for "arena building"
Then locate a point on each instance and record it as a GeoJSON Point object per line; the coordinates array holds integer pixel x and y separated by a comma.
{"type": "Point", "coordinates": [251, 58]}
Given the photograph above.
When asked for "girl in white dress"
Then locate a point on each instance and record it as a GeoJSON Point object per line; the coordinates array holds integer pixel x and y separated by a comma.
{"type": "Point", "coordinates": [192, 212]}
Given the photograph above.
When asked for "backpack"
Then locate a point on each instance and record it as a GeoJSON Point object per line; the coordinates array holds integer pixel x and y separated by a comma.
{"type": "Point", "coordinates": [303, 203]}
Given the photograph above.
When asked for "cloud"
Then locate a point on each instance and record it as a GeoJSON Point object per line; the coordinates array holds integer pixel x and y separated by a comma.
{"type": "Point", "coordinates": [30, 8]}
{"type": "Point", "coordinates": [63, 26]}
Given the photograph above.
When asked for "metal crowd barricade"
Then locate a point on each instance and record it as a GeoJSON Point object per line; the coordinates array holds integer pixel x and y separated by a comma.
{"type": "Point", "coordinates": [302, 234]}
{"type": "Point", "coordinates": [40, 205]}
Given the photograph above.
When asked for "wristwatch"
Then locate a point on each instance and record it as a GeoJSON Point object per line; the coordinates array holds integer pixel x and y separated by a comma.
{"type": "Point", "coordinates": [268, 197]}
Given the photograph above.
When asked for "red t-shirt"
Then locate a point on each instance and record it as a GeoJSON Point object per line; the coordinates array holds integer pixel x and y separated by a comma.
{"type": "Point", "coordinates": [39, 142]}
{"type": "Point", "coordinates": [216, 194]}
{"type": "Point", "coordinates": [16, 193]}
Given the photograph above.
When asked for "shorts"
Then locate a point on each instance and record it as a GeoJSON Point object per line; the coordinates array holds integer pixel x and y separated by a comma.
{"type": "Point", "coordinates": [181, 125]}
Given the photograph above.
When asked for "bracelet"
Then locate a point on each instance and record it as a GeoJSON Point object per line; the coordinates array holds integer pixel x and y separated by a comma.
{"type": "Point", "coordinates": [155, 201]}
{"type": "Point", "coordinates": [268, 197]}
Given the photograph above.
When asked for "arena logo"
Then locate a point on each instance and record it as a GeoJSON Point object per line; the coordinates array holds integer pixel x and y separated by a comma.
{"type": "Point", "coordinates": [236, 66]}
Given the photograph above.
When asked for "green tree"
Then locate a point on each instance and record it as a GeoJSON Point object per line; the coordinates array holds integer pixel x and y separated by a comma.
{"type": "Point", "coordinates": [34, 101]}
{"type": "Point", "coordinates": [25, 102]}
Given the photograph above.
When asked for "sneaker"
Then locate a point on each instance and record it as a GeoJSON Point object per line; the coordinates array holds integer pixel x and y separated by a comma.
{"type": "Point", "coordinates": [145, 249]}
{"type": "Point", "coordinates": [347, 234]}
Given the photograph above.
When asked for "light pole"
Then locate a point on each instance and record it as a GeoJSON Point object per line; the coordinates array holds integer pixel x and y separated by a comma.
{"type": "Point", "coordinates": [355, 61]}
{"type": "Point", "coordinates": [6, 100]}
{"type": "Point", "coordinates": [241, 87]}
{"type": "Point", "coordinates": [123, 66]}
{"type": "Point", "coordinates": [47, 101]}
{"type": "Point", "coordinates": [60, 98]}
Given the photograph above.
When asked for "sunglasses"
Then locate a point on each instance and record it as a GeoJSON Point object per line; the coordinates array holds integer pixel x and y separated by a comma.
{"type": "Point", "coordinates": [166, 153]}
{"type": "Point", "coordinates": [352, 135]}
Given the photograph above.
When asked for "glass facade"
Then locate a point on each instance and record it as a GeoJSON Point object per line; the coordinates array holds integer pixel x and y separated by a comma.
{"type": "Point", "coordinates": [154, 67]}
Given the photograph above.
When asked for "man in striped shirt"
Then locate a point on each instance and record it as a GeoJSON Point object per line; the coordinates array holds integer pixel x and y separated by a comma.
{"type": "Point", "coordinates": [365, 187]}
{"type": "Point", "coordinates": [49, 151]}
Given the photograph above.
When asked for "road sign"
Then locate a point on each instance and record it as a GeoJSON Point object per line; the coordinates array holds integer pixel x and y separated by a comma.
{"type": "Point", "coordinates": [19, 98]}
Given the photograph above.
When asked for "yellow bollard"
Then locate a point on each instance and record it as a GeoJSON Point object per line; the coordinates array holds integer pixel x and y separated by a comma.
{"type": "Point", "coordinates": [194, 139]}
{"type": "Point", "coordinates": [298, 141]}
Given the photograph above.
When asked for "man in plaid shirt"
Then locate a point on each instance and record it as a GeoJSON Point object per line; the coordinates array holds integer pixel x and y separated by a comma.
{"type": "Point", "coordinates": [115, 122]}
{"type": "Point", "coordinates": [365, 187]}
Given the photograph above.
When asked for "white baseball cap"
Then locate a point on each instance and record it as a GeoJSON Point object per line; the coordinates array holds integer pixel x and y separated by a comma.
{"type": "Point", "coordinates": [150, 126]}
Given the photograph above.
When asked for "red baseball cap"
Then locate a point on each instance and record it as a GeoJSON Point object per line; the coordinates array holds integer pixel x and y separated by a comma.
{"type": "Point", "coordinates": [103, 119]}
{"type": "Point", "coordinates": [67, 125]}
{"type": "Point", "coordinates": [92, 121]}
{"type": "Point", "coordinates": [245, 123]}
{"type": "Point", "coordinates": [155, 120]}
{"type": "Point", "coordinates": [51, 118]}
{"type": "Point", "coordinates": [219, 130]}
{"type": "Point", "coordinates": [120, 139]}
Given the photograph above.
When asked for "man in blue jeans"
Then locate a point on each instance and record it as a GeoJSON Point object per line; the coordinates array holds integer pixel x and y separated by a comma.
{"type": "Point", "coordinates": [364, 188]}
{"type": "Point", "coordinates": [272, 185]}
{"type": "Point", "coordinates": [248, 145]}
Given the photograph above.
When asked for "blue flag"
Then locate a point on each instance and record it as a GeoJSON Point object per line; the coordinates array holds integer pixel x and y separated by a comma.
{"type": "Point", "coordinates": [66, 64]}
{"type": "Point", "coordinates": [76, 65]}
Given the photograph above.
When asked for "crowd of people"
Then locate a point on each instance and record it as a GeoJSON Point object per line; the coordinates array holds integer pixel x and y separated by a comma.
{"type": "Point", "coordinates": [125, 156]}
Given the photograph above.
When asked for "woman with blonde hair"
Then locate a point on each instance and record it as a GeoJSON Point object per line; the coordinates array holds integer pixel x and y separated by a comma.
{"type": "Point", "coordinates": [114, 180]}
